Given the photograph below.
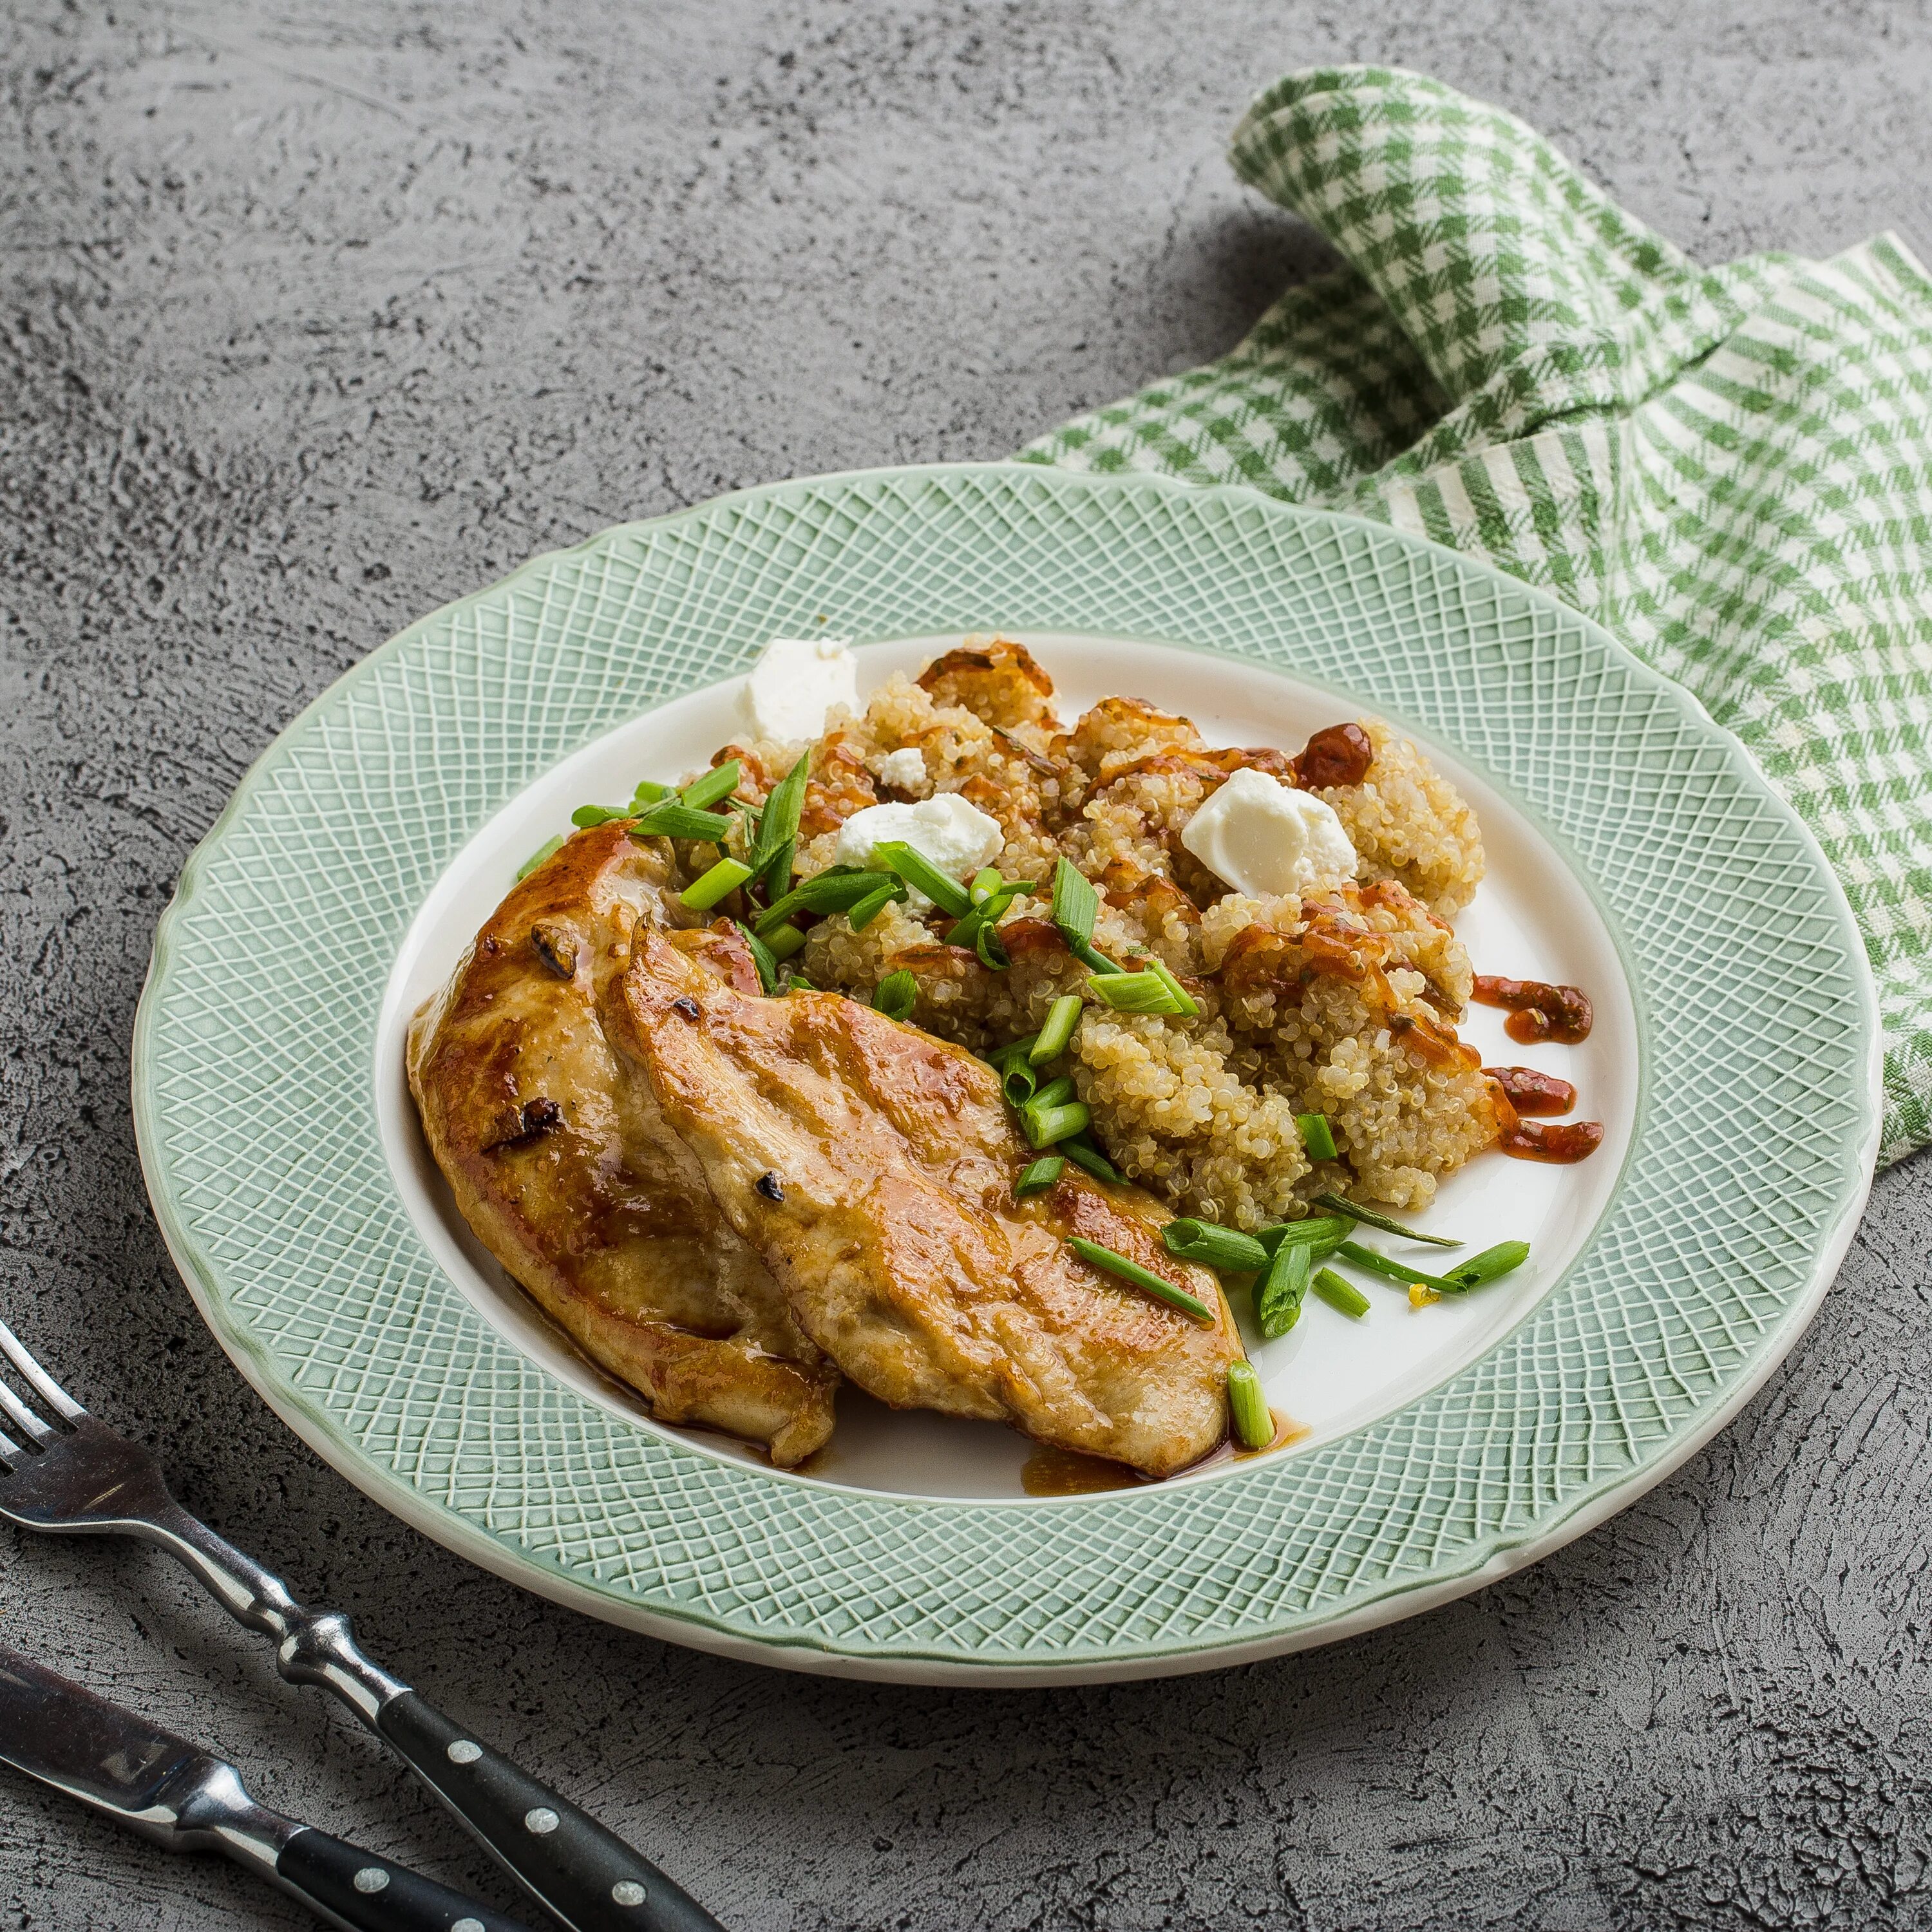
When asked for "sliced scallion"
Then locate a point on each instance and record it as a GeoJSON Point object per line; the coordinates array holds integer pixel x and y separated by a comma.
{"type": "Point", "coordinates": [918, 871]}
{"type": "Point", "coordinates": [720, 782]}
{"type": "Point", "coordinates": [648, 793]}
{"type": "Point", "coordinates": [708, 888]}
{"type": "Point", "coordinates": [586, 816]}
{"type": "Point", "coordinates": [1014, 1049]}
{"type": "Point", "coordinates": [1057, 1035]}
{"type": "Point", "coordinates": [985, 882]}
{"type": "Point", "coordinates": [1138, 993]}
{"type": "Point", "coordinates": [783, 940]}
{"type": "Point", "coordinates": [1226, 1250]}
{"type": "Point", "coordinates": [1044, 1126]}
{"type": "Point", "coordinates": [1080, 1150]}
{"type": "Point", "coordinates": [674, 819]}
{"type": "Point", "coordinates": [1017, 1082]}
{"type": "Point", "coordinates": [778, 829]}
{"type": "Point", "coordinates": [547, 849]}
{"type": "Point", "coordinates": [828, 891]}
{"type": "Point", "coordinates": [1184, 1002]}
{"type": "Point", "coordinates": [1110, 1263]}
{"type": "Point", "coordinates": [1055, 1092]}
{"type": "Point", "coordinates": [1322, 1232]}
{"type": "Point", "coordinates": [895, 995]}
{"type": "Point", "coordinates": [1399, 1271]}
{"type": "Point", "coordinates": [868, 908]}
{"type": "Point", "coordinates": [1371, 1217]}
{"type": "Point", "coordinates": [763, 957]}
{"type": "Point", "coordinates": [1249, 1415]}
{"type": "Point", "coordinates": [1038, 1174]}
{"type": "Point", "coordinates": [1317, 1136]}
{"type": "Point", "coordinates": [1279, 1293]}
{"type": "Point", "coordinates": [1491, 1264]}
{"type": "Point", "coordinates": [1076, 905]}
{"type": "Point", "coordinates": [1340, 1295]}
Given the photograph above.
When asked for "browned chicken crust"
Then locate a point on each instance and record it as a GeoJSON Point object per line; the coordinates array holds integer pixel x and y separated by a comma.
{"type": "Point", "coordinates": [561, 1160]}
{"type": "Point", "coordinates": [871, 1167]}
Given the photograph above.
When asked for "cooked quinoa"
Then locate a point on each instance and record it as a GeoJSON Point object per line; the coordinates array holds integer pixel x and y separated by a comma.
{"type": "Point", "coordinates": [1343, 1001]}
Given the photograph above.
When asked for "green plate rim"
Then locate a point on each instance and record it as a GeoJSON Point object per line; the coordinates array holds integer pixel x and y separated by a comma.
{"type": "Point", "coordinates": [1480, 1560]}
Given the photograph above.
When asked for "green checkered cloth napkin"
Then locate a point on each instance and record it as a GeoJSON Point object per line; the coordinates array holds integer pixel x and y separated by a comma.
{"type": "Point", "coordinates": [1732, 468]}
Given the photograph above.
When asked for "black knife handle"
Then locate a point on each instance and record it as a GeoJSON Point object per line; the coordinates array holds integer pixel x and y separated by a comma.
{"type": "Point", "coordinates": [357, 1888]}
{"type": "Point", "coordinates": [589, 1878]}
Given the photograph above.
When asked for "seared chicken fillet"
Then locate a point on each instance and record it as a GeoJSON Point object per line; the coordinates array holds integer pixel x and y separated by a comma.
{"type": "Point", "coordinates": [871, 1167]}
{"type": "Point", "coordinates": [561, 1160]}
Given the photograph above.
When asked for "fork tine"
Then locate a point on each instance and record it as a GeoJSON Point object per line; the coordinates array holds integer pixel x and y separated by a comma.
{"type": "Point", "coordinates": [23, 1416]}
{"type": "Point", "coordinates": [43, 1384]}
{"type": "Point", "coordinates": [11, 1452]}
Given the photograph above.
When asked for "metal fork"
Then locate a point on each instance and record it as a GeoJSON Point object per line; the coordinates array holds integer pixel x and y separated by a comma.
{"type": "Point", "coordinates": [72, 1474]}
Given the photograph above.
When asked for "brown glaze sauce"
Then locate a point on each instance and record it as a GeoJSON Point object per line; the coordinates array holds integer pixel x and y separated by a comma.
{"type": "Point", "coordinates": [1530, 1092]}
{"type": "Point", "coordinates": [1537, 1010]}
{"type": "Point", "coordinates": [1340, 755]}
{"type": "Point", "coordinates": [1559, 1144]}
{"type": "Point", "coordinates": [1066, 1472]}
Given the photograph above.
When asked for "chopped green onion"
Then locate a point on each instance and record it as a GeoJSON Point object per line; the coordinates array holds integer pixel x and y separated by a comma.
{"type": "Point", "coordinates": [783, 941]}
{"type": "Point", "coordinates": [1043, 1125]}
{"type": "Point", "coordinates": [672, 820]}
{"type": "Point", "coordinates": [1062, 1017]}
{"type": "Point", "coordinates": [1105, 1259]}
{"type": "Point", "coordinates": [918, 870]}
{"type": "Point", "coordinates": [1248, 1411]}
{"type": "Point", "coordinates": [992, 954]}
{"type": "Point", "coordinates": [1094, 962]}
{"type": "Point", "coordinates": [1341, 1294]}
{"type": "Point", "coordinates": [1081, 1150]}
{"type": "Point", "coordinates": [868, 908]}
{"type": "Point", "coordinates": [1184, 1001]}
{"type": "Point", "coordinates": [1076, 905]}
{"type": "Point", "coordinates": [720, 781]}
{"type": "Point", "coordinates": [796, 982]}
{"type": "Point", "coordinates": [1317, 1136]}
{"type": "Point", "coordinates": [1055, 1092]}
{"type": "Point", "coordinates": [1225, 1250]}
{"type": "Point", "coordinates": [777, 828]}
{"type": "Point", "coordinates": [1014, 1049]}
{"type": "Point", "coordinates": [1137, 993]}
{"type": "Point", "coordinates": [705, 891]}
{"type": "Point", "coordinates": [1017, 1082]}
{"type": "Point", "coordinates": [895, 995]}
{"type": "Point", "coordinates": [829, 891]}
{"type": "Point", "coordinates": [1323, 1232]}
{"type": "Point", "coordinates": [1505, 1257]}
{"type": "Point", "coordinates": [1370, 1217]}
{"type": "Point", "coordinates": [985, 882]}
{"type": "Point", "coordinates": [1395, 1271]}
{"type": "Point", "coordinates": [1038, 1174]}
{"type": "Point", "coordinates": [548, 849]}
{"type": "Point", "coordinates": [763, 957]}
{"type": "Point", "coordinates": [650, 792]}
{"type": "Point", "coordinates": [586, 816]}
{"type": "Point", "coordinates": [1279, 1293]}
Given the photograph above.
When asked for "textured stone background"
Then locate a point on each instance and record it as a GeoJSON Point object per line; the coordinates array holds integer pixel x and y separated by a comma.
{"type": "Point", "coordinates": [313, 315]}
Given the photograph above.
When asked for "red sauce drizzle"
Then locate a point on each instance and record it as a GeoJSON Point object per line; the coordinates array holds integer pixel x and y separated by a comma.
{"type": "Point", "coordinates": [1340, 755]}
{"type": "Point", "coordinates": [1560, 1144]}
{"type": "Point", "coordinates": [1530, 1092]}
{"type": "Point", "coordinates": [1536, 1010]}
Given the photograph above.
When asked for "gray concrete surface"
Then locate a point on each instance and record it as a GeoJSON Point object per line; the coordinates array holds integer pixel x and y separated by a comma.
{"type": "Point", "coordinates": [316, 314]}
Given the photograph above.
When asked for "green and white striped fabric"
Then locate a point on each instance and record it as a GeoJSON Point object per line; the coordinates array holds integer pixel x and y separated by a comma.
{"type": "Point", "coordinates": [1731, 468]}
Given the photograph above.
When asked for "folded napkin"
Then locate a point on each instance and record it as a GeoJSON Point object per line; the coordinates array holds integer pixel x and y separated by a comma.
{"type": "Point", "coordinates": [1730, 468]}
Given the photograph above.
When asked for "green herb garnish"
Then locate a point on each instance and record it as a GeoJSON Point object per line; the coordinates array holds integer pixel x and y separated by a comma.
{"type": "Point", "coordinates": [1038, 1174]}
{"type": "Point", "coordinates": [1226, 1250]}
{"type": "Point", "coordinates": [586, 816]}
{"type": "Point", "coordinates": [836, 891]}
{"type": "Point", "coordinates": [673, 819]}
{"type": "Point", "coordinates": [1057, 1035]}
{"type": "Point", "coordinates": [1109, 1262]}
{"type": "Point", "coordinates": [783, 940]}
{"type": "Point", "coordinates": [1279, 1293]}
{"type": "Point", "coordinates": [1249, 1415]}
{"type": "Point", "coordinates": [1076, 907]}
{"type": "Point", "coordinates": [1146, 992]}
{"type": "Point", "coordinates": [1399, 1271]}
{"type": "Point", "coordinates": [724, 878]}
{"type": "Point", "coordinates": [763, 957]}
{"type": "Point", "coordinates": [1370, 1217]}
{"type": "Point", "coordinates": [777, 841]}
{"type": "Point", "coordinates": [1343, 1295]}
{"type": "Point", "coordinates": [1044, 1126]}
{"type": "Point", "coordinates": [720, 782]}
{"type": "Point", "coordinates": [895, 995]}
{"type": "Point", "coordinates": [1505, 1257]}
{"type": "Point", "coordinates": [547, 849]}
{"type": "Point", "coordinates": [1080, 1150]}
{"type": "Point", "coordinates": [918, 871]}
{"type": "Point", "coordinates": [1317, 1136]}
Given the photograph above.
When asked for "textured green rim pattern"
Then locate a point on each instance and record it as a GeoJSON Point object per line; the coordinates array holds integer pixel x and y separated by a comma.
{"type": "Point", "coordinates": [254, 1078]}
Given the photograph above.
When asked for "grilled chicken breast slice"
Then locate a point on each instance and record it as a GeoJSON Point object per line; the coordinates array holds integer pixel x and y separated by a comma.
{"type": "Point", "coordinates": [871, 1167]}
{"type": "Point", "coordinates": [561, 1160]}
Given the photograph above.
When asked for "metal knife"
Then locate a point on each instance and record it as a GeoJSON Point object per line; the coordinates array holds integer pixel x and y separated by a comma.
{"type": "Point", "coordinates": [182, 1797]}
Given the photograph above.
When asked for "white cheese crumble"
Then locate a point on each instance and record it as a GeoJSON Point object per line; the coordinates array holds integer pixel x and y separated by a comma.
{"type": "Point", "coordinates": [1266, 839]}
{"type": "Point", "coordinates": [957, 837]}
{"type": "Point", "coordinates": [796, 682]}
{"type": "Point", "coordinates": [905, 769]}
